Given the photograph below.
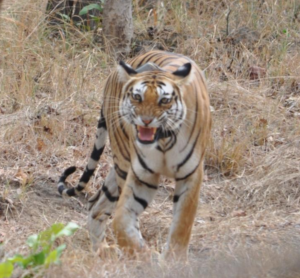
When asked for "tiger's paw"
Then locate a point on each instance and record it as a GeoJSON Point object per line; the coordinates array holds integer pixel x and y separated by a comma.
{"type": "Point", "coordinates": [175, 256]}
{"type": "Point", "coordinates": [109, 252]}
{"type": "Point", "coordinates": [148, 255]}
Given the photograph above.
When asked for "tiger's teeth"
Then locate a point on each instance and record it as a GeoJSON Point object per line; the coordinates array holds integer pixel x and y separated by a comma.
{"type": "Point", "coordinates": [146, 133]}
{"type": "Point", "coordinates": [154, 132]}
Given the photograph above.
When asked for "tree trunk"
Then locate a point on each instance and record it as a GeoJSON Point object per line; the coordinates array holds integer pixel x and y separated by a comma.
{"type": "Point", "coordinates": [117, 26]}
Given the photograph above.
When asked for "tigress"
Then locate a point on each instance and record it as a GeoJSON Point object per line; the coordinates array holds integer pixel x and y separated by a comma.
{"type": "Point", "coordinates": [156, 113]}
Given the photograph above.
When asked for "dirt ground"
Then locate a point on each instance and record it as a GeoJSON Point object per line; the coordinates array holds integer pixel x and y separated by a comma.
{"type": "Point", "coordinates": [248, 219]}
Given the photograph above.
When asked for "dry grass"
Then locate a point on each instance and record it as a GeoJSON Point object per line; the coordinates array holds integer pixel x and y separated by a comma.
{"type": "Point", "coordinates": [248, 223]}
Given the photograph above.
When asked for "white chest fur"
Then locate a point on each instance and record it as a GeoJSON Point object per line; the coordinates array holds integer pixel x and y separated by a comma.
{"type": "Point", "coordinates": [175, 162]}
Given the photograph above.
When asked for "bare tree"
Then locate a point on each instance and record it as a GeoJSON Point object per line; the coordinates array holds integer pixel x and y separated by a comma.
{"type": "Point", "coordinates": [118, 26]}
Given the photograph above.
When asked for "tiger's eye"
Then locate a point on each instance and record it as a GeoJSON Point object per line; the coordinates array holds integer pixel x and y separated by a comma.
{"type": "Point", "coordinates": [136, 97]}
{"type": "Point", "coordinates": [165, 100]}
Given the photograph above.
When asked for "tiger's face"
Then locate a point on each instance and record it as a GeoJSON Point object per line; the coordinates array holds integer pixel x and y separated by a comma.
{"type": "Point", "coordinates": [153, 107]}
{"type": "Point", "coordinates": [152, 103]}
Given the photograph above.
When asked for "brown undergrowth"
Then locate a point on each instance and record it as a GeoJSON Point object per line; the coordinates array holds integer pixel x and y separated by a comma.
{"type": "Point", "coordinates": [248, 221]}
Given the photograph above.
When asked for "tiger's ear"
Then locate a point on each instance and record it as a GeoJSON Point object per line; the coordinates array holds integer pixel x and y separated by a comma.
{"type": "Point", "coordinates": [183, 73]}
{"type": "Point", "coordinates": [125, 71]}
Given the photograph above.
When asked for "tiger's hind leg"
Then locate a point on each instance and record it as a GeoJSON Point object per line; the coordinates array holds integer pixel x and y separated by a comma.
{"type": "Point", "coordinates": [100, 207]}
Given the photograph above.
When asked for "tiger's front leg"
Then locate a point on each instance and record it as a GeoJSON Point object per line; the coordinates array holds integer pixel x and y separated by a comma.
{"type": "Point", "coordinates": [138, 192]}
{"type": "Point", "coordinates": [185, 203]}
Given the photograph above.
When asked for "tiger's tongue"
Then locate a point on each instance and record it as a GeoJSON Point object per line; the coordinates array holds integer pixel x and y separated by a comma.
{"type": "Point", "coordinates": [146, 134]}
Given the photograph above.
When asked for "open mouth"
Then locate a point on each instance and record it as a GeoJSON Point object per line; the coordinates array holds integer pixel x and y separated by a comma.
{"type": "Point", "coordinates": [146, 135]}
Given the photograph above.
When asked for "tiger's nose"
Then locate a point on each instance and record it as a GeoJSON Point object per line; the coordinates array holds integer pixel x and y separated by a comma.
{"type": "Point", "coordinates": [147, 121]}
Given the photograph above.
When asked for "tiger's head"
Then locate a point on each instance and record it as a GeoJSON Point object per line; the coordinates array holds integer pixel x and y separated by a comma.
{"type": "Point", "coordinates": [152, 100]}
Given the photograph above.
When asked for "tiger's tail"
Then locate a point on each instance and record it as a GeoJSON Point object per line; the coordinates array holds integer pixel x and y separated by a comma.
{"type": "Point", "coordinates": [98, 149]}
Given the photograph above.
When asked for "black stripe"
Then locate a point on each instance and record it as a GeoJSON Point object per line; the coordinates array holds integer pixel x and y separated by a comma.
{"type": "Point", "coordinates": [95, 198]}
{"type": "Point", "coordinates": [164, 62]}
{"type": "Point", "coordinates": [117, 135]}
{"type": "Point", "coordinates": [154, 61]}
{"type": "Point", "coordinates": [71, 192]}
{"type": "Point", "coordinates": [62, 178]}
{"type": "Point", "coordinates": [106, 86]}
{"type": "Point", "coordinates": [159, 148]}
{"type": "Point", "coordinates": [67, 173]}
{"type": "Point", "coordinates": [108, 195]}
{"type": "Point", "coordinates": [102, 122]}
{"type": "Point", "coordinates": [61, 188]}
{"type": "Point", "coordinates": [181, 114]}
{"type": "Point", "coordinates": [116, 84]}
{"type": "Point", "coordinates": [122, 174]}
{"type": "Point", "coordinates": [143, 182]}
{"type": "Point", "coordinates": [95, 155]}
{"type": "Point", "coordinates": [86, 175]}
{"type": "Point", "coordinates": [161, 134]}
{"type": "Point", "coordinates": [169, 141]}
{"type": "Point", "coordinates": [176, 198]}
{"type": "Point", "coordinates": [146, 59]}
{"type": "Point", "coordinates": [122, 127]}
{"type": "Point", "coordinates": [176, 108]}
{"type": "Point", "coordinates": [189, 174]}
{"type": "Point", "coordinates": [79, 187]}
{"type": "Point", "coordinates": [195, 119]}
{"type": "Point", "coordinates": [142, 162]}
{"type": "Point", "coordinates": [161, 83]}
{"type": "Point", "coordinates": [143, 202]}
{"type": "Point", "coordinates": [172, 134]}
{"type": "Point", "coordinates": [190, 152]}
{"type": "Point", "coordinates": [174, 140]}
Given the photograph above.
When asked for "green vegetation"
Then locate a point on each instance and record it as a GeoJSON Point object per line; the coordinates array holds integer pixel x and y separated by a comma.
{"type": "Point", "coordinates": [42, 252]}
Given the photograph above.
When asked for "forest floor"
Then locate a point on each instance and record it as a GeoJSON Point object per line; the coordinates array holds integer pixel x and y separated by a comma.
{"type": "Point", "coordinates": [248, 219]}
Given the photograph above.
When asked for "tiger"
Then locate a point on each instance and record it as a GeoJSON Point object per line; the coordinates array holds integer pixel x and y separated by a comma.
{"type": "Point", "coordinates": [156, 113]}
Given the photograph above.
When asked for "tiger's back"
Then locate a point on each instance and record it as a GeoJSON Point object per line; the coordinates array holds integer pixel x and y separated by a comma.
{"type": "Point", "coordinates": [156, 114]}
